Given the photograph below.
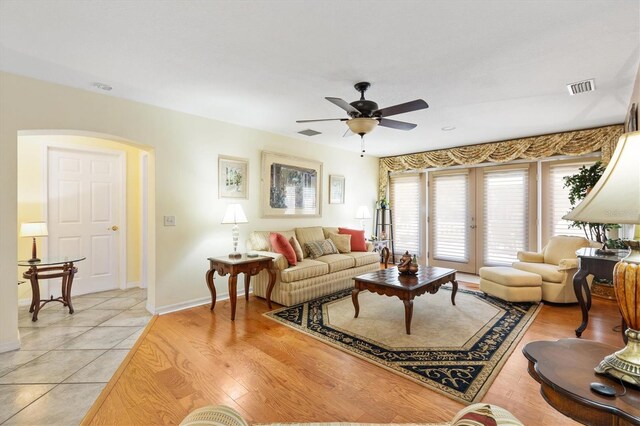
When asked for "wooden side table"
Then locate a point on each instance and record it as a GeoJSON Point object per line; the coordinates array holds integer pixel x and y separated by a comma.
{"type": "Point", "coordinates": [564, 370]}
{"type": "Point", "coordinates": [46, 269]}
{"type": "Point", "coordinates": [249, 266]}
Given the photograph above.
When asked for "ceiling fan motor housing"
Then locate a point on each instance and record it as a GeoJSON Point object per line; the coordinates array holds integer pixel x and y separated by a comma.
{"type": "Point", "coordinates": [365, 107]}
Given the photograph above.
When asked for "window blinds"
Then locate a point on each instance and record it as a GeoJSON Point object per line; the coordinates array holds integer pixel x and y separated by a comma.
{"type": "Point", "coordinates": [405, 198]}
{"type": "Point", "coordinates": [557, 199]}
{"type": "Point", "coordinates": [450, 217]}
{"type": "Point", "coordinates": [506, 215]}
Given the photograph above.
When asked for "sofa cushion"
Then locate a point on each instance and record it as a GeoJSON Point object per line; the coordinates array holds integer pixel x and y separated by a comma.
{"type": "Point", "coordinates": [297, 248]}
{"type": "Point", "coordinates": [563, 247]}
{"type": "Point", "coordinates": [306, 268]}
{"type": "Point", "coordinates": [364, 257]}
{"type": "Point", "coordinates": [309, 235]}
{"type": "Point", "coordinates": [281, 245]}
{"type": "Point", "coordinates": [327, 230]}
{"type": "Point", "coordinates": [479, 415]}
{"type": "Point", "coordinates": [358, 242]}
{"type": "Point", "coordinates": [259, 240]}
{"type": "Point", "coordinates": [510, 277]}
{"type": "Point", "coordinates": [342, 242]}
{"type": "Point", "coordinates": [320, 248]}
{"type": "Point", "coordinates": [337, 262]}
{"type": "Point", "coordinates": [548, 272]}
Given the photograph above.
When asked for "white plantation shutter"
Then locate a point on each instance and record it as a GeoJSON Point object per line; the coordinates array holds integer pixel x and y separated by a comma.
{"type": "Point", "coordinates": [506, 215]}
{"type": "Point", "coordinates": [557, 199]}
{"type": "Point", "coordinates": [405, 197]}
{"type": "Point", "coordinates": [450, 218]}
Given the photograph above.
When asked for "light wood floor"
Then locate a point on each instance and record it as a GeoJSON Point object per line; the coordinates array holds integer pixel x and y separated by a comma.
{"type": "Point", "coordinates": [270, 373]}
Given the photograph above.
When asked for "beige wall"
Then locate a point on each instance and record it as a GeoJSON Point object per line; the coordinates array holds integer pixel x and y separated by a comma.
{"type": "Point", "coordinates": [32, 151]}
{"type": "Point", "coordinates": [183, 182]}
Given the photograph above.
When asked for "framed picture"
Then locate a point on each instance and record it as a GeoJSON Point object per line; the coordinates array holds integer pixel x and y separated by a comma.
{"type": "Point", "coordinates": [233, 177]}
{"type": "Point", "coordinates": [336, 189]}
{"type": "Point", "coordinates": [291, 186]}
{"type": "Point", "coordinates": [631, 122]}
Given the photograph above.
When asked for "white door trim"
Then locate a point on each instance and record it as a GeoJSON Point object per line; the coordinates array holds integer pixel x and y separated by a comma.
{"type": "Point", "coordinates": [144, 213]}
{"type": "Point", "coordinates": [122, 159]}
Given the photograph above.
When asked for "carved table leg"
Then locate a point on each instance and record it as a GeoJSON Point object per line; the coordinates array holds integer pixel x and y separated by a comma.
{"type": "Point", "coordinates": [67, 282]}
{"type": "Point", "coordinates": [454, 291]}
{"type": "Point", "coordinates": [233, 293]}
{"type": "Point", "coordinates": [384, 253]}
{"type": "Point", "coordinates": [272, 283]}
{"type": "Point", "coordinates": [35, 289]}
{"type": "Point", "coordinates": [212, 287]}
{"type": "Point", "coordinates": [354, 299]}
{"type": "Point", "coordinates": [580, 286]}
{"type": "Point", "coordinates": [247, 282]}
{"type": "Point", "coordinates": [408, 314]}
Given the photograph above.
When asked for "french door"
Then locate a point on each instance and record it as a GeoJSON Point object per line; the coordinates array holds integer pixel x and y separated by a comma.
{"type": "Point", "coordinates": [481, 216]}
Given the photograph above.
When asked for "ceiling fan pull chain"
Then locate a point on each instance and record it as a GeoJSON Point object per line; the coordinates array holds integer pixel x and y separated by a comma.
{"type": "Point", "coordinates": [362, 145]}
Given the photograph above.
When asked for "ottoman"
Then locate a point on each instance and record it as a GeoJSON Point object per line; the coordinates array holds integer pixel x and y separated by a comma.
{"type": "Point", "coordinates": [511, 284]}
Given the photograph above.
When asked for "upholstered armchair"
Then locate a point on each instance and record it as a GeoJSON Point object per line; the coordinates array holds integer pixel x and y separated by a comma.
{"type": "Point", "coordinates": [556, 264]}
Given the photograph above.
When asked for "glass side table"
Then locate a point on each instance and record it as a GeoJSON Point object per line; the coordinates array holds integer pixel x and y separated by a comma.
{"type": "Point", "coordinates": [45, 269]}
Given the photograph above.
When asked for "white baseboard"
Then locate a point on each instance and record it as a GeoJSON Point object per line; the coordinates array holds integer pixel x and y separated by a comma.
{"type": "Point", "coordinates": [10, 346]}
{"type": "Point", "coordinates": [162, 310]}
{"type": "Point", "coordinates": [132, 285]}
{"type": "Point", "coordinates": [24, 302]}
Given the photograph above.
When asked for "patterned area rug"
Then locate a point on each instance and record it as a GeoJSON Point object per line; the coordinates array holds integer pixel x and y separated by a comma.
{"type": "Point", "coordinates": [455, 350]}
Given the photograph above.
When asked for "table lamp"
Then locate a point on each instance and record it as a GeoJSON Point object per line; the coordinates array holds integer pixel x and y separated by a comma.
{"type": "Point", "coordinates": [362, 214]}
{"type": "Point", "coordinates": [616, 199]}
{"type": "Point", "coordinates": [235, 215]}
{"type": "Point", "coordinates": [33, 229]}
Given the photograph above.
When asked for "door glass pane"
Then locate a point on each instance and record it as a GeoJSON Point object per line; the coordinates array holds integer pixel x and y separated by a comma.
{"type": "Point", "coordinates": [450, 217]}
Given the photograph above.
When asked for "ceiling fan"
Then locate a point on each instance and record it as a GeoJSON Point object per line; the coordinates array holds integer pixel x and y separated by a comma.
{"type": "Point", "coordinates": [364, 115]}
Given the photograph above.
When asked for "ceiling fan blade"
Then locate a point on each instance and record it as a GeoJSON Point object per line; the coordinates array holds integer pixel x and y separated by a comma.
{"type": "Point", "coordinates": [395, 124]}
{"type": "Point", "coordinates": [344, 105]}
{"type": "Point", "coordinates": [322, 119]}
{"type": "Point", "coordinates": [401, 108]}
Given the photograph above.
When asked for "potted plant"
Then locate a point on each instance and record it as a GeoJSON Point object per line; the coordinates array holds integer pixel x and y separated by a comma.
{"type": "Point", "coordinates": [579, 186]}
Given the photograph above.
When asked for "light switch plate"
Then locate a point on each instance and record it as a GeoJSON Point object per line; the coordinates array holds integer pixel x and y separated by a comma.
{"type": "Point", "coordinates": [169, 221]}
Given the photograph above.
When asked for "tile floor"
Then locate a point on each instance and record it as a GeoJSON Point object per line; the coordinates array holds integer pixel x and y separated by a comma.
{"type": "Point", "coordinates": [66, 360]}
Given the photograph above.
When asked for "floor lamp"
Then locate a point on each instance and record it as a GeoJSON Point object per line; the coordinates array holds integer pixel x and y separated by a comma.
{"type": "Point", "coordinates": [616, 199]}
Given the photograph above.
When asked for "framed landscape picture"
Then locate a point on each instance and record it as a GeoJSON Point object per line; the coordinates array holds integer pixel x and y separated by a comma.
{"type": "Point", "coordinates": [291, 186]}
{"type": "Point", "coordinates": [233, 177]}
{"type": "Point", "coordinates": [336, 189]}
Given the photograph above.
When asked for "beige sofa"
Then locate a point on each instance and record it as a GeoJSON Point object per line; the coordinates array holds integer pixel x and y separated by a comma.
{"type": "Point", "coordinates": [310, 278]}
{"type": "Point", "coordinates": [556, 264]}
{"type": "Point", "coordinates": [475, 414]}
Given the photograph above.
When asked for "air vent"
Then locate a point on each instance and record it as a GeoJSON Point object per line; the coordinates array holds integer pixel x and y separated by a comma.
{"type": "Point", "coordinates": [309, 132]}
{"type": "Point", "coordinates": [581, 87]}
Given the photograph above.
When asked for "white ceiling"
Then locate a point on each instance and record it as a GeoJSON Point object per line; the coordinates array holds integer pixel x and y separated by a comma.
{"type": "Point", "coordinates": [493, 69]}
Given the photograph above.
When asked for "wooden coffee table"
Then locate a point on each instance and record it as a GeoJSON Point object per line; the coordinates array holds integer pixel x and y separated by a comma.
{"type": "Point", "coordinates": [388, 282]}
{"type": "Point", "coordinates": [564, 369]}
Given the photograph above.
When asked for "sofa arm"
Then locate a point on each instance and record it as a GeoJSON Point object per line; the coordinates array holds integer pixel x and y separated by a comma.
{"type": "Point", "coordinates": [472, 413]}
{"type": "Point", "coordinates": [530, 256]}
{"type": "Point", "coordinates": [370, 246]}
{"type": "Point", "coordinates": [279, 261]}
{"type": "Point", "coordinates": [214, 415]}
{"type": "Point", "coordinates": [566, 264]}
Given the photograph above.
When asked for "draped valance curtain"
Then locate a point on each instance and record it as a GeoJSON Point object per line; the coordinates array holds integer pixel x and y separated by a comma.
{"type": "Point", "coordinates": [579, 142]}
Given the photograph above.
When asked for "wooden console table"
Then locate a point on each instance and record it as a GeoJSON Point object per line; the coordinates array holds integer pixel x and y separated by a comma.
{"type": "Point", "coordinates": [249, 266]}
{"type": "Point", "coordinates": [564, 370]}
{"type": "Point", "coordinates": [46, 269]}
{"type": "Point", "coordinates": [600, 266]}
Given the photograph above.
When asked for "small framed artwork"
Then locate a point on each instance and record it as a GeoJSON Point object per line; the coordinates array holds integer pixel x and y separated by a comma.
{"type": "Point", "coordinates": [233, 177]}
{"type": "Point", "coordinates": [336, 189]}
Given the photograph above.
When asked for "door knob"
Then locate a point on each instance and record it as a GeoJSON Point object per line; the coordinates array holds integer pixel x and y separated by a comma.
{"type": "Point", "coordinates": [113, 228]}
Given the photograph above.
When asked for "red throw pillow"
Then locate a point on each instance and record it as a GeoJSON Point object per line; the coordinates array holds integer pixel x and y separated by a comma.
{"type": "Point", "coordinates": [281, 245]}
{"type": "Point", "coordinates": [357, 238]}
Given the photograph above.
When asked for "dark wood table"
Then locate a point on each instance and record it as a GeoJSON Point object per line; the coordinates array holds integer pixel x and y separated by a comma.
{"type": "Point", "coordinates": [564, 369]}
{"type": "Point", "coordinates": [45, 269]}
{"type": "Point", "coordinates": [249, 266]}
{"type": "Point", "coordinates": [600, 266]}
{"type": "Point", "coordinates": [389, 282]}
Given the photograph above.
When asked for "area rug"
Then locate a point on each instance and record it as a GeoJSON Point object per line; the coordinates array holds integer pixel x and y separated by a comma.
{"type": "Point", "coordinates": [455, 350]}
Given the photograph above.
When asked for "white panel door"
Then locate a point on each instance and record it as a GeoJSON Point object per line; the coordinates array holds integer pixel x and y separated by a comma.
{"type": "Point", "coordinates": [84, 215]}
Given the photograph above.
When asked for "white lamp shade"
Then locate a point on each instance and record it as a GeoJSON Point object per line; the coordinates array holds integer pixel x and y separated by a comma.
{"type": "Point", "coordinates": [33, 229]}
{"type": "Point", "coordinates": [234, 214]}
{"type": "Point", "coordinates": [363, 213]}
{"type": "Point", "coordinates": [616, 196]}
{"type": "Point", "coordinates": [362, 125]}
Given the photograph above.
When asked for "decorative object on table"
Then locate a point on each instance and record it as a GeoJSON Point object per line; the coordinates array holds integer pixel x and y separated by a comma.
{"type": "Point", "coordinates": [291, 186]}
{"type": "Point", "coordinates": [234, 215]}
{"type": "Point", "coordinates": [408, 264]}
{"type": "Point", "coordinates": [432, 356]}
{"type": "Point", "coordinates": [233, 177]}
{"type": "Point", "coordinates": [383, 203]}
{"type": "Point", "coordinates": [616, 199]}
{"type": "Point", "coordinates": [336, 189]}
{"type": "Point", "coordinates": [363, 214]}
{"type": "Point", "coordinates": [33, 230]}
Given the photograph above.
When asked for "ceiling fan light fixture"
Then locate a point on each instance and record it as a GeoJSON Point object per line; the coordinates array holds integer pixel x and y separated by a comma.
{"type": "Point", "coordinates": [362, 125]}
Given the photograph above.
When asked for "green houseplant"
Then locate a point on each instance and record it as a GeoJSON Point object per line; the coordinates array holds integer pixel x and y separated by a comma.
{"type": "Point", "coordinates": [579, 186]}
